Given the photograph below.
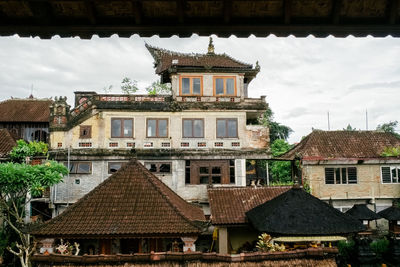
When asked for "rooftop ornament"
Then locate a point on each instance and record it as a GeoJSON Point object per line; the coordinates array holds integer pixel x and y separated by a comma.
{"type": "Point", "coordinates": [211, 47]}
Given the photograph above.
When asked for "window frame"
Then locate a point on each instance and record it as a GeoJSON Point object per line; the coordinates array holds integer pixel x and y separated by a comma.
{"type": "Point", "coordinates": [157, 128]}
{"type": "Point", "coordinates": [339, 180]}
{"type": "Point", "coordinates": [114, 162]}
{"type": "Point", "coordinates": [158, 164]}
{"type": "Point", "coordinates": [77, 166]}
{"type": "Point", "coordinates": [224, 79]}
{"type": "Point", "coordinates": [122, 127]}
{"type": "Point", "coordinates": [192, 120]}
{"type": "Point", "coordinates": [190, 77]}
{"type": "Point", "coordinates": [226, 128]}
{"type": "Point", "coordinates": [82, 128]}
{"type": "Point", "coordinates": [391, 167]}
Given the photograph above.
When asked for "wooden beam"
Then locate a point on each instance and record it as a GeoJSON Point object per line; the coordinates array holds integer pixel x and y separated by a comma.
{"type": "Point", "coordinates": [180, 10]}
{"type": "Point", "coordinates": [336, 7]}
{"type": "Point", "coordinates": [376, 30]}
{"type": "Point", "coordinates": [90, 12]}
{"type": "Point", "coordinates": [137, 11]}
{"type": "Point", "coordinates": [393, 11]}
{"type": "Point", "coordinates": [227, 9]}
{"type": "Point", "coordinates": [287, 11]}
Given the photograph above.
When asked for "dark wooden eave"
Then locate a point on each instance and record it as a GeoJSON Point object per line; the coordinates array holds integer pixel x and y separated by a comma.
{"type": "Point", "coordinates": [85, 18]}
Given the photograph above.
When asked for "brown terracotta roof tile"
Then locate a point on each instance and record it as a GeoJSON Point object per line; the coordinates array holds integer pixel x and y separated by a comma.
{"type": "Point", "coordinates": [25, 110]}
{"type": "Point", "coordinates": [164, 60]}
{"type": "Point", "coordinates": [7, 142]}
{"type": "Point", "coordinates": [322, 145]}
{"type": "Point", "coordinates": [229, 204]}
{"type": "Point", "coordinates": [131, 202]}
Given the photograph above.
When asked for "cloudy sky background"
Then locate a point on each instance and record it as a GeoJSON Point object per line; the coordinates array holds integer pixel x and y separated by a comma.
{"type": "Point", "coordinates": [303, 78]}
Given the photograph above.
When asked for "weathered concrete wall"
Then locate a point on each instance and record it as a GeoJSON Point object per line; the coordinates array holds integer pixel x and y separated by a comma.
{"type": "Point", "coordinates": [70, 191]}
{"type": "Point", "coordinates": [248, 136]}
{"type": "Point", "coordinates": [369, 183]}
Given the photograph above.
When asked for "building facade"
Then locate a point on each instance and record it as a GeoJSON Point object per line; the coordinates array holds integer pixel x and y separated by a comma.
{"type": "Point", "coordinates": [198, 136]}
{"type": "Point", "coordinates": [27, 118]}
{"type": "Point", "coordinates": [349, 167]}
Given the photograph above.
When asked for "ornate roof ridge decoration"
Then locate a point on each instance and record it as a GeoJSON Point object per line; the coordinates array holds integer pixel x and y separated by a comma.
{"type": "Point", "coordinates": [131, 203]}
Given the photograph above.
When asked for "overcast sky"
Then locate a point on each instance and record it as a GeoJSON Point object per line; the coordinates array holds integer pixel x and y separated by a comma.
{"type": "Point", "coordinates": [303, 78]}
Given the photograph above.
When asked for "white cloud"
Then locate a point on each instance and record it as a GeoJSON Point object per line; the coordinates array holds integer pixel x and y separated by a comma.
{"type": "Point", "coordinates": [303, 78]}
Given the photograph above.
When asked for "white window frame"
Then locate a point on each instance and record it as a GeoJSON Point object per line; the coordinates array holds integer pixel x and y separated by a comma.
{"type": "Point", "coordinates": [341, 173]}
{"type": "Point", "coordinates": [391, 177]}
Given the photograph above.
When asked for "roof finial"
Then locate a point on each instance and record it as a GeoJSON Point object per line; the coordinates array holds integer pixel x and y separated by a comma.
{"type": "Point", "coordinates": [211, 46]}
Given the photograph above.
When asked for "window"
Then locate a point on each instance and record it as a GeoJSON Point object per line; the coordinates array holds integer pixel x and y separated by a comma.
{"type": "Point", "coordinates": [85, 131]}
{"type": "Point", "coordinates": [77, 167]}
{"type": "Point", "coordinates": [121, 127]}
{"type": "Point", "coordinates": [227, 128]}
{"type": "Point", "coordinates": [209, 172]}
{"type": "Point", "coordinates": [157, 127]}
{"type": "Point", "coordinates": [115, 166]}
{"type": "Point", "coordinates": [191, 85]}
{"type": "Point", "coordinates": [341, 175]}
{"type": "Point", "coordinates": [224, 86]}
{"type": "Point", "coordinates": [390, 174]}
{"type": "Point", "coordinates": [192, 128]}
{"type": "Point", "coordinates": [158, 167]}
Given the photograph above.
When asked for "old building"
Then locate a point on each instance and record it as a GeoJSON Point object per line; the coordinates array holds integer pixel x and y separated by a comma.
{"type": "Point", "coordinates": [349, 167]}
{"type": "Point", "coordinates": [199, 136]}
{"type": "Point", "coordinates": [26, 118]}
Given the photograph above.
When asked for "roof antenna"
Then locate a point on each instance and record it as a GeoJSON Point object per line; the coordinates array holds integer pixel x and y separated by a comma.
{"type": "Point", "coordinates": [210, 46]}
{"type": "Point", "coordinates": [329, 124]}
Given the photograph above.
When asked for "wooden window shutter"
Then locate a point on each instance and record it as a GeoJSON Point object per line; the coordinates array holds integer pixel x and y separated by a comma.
{"type": "Point", "coordinates": [386, 177]}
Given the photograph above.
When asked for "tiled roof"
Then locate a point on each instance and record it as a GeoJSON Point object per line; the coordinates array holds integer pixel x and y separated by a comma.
{"type": "Point", "coordinates": [131, 202]}
{"type": "Point", "coordinates": [7, 142]}
{"type": "Point", "coordinates": [25, 110]}
{"type": "Point", "coordinates": [298, 213]}
{"type": "Point", "coordinates": [164, 58]}
{"type": "Point", "coordinates": [362, 212]}
{"type": "Point", "coordinates": [392, 213]}
{"type": "Point", "coordinates": [229, 204]}
{"type": "Point", "coordinates": [322, 145]}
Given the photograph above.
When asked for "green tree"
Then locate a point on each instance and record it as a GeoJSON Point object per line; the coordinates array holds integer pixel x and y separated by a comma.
{"type": "Point", "coordinates": [280, 171]}
{"type": "Point", "coordinates": [389, 127]}
{"type": "Point", "coordinates": [23, 150]}
{"type": "Point", "coordinates": [276, 130]}
{"type": "Point", "coordinates": [349, 128]}
{"type": "Point", "coordinates": [18, 183]}
{"type": "Point", "coordinates": [129, 86]}
{"type": "Point", "coordinates": [157, 88]}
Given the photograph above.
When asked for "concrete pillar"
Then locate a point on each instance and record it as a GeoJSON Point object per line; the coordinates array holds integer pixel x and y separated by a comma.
{"type": "Point", "coordinates": [223, 240]}
{"type": "Point", "coordinates": [189, 245]}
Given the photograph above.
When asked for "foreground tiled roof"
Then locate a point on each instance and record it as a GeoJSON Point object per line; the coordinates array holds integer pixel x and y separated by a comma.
{"type": "Point", "coordinates": [298, 213]}
{"type": "Point", "coordinates": [321, 257]}
{"type": "Point", "coordinates": [7, 142]}
{"type": "Point", "coordinates": [229, 204]}
{"type": "Point", "coordinates": [131, 202]}
{"type": "Point", "coordinates": [322, 145]}
{"type": "Point", "coordinates": [25, 110]}
{"type": "Point", "coordinates": [164, 58]}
